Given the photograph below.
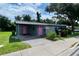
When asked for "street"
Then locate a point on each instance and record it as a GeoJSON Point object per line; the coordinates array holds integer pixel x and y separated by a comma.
{"type": "Point", "coordinates": [75, 52]}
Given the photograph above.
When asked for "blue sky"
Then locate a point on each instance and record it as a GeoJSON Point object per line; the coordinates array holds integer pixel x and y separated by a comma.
{"type": "Point", "coordinates": [13, 9]}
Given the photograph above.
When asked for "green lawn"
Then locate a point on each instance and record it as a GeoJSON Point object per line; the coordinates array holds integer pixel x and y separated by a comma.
{"type": "Point", "coordinates": [74, 34]}
{"type": "Point", "coordinates": [9, 44]}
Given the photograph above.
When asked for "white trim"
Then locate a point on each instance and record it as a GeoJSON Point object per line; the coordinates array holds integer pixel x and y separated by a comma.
{"type": "Point", "coordinates": [32, 23]}
{"type": "Point", "coordinates": [36, 23]}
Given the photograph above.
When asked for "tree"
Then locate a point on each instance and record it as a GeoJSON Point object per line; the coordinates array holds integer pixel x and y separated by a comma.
{"type": "Point", "coordinates": [49, 21]}
{"type": "Point", "coordinates": [5, 24]}
{"type": "Point", "coordinates": [65, 22]}
{"type": "Point", "coordinates": [38, 17]}
{"type": "Point", "coordinates": [26, 18]}
{"type": "Point", "coordinates": [70, 9]}
{"type": "Point", "coordinates": [18, 18]}
{"type": "Point", "coordinates": [13, 26]}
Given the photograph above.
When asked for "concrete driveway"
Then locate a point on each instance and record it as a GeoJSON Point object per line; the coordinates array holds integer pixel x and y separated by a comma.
{"type": "Point", "coordinates": [34, 41]}
{"type": "Point", "coordinates": [38, 42]}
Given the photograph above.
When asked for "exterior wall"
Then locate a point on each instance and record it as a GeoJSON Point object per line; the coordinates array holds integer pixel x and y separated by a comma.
{"type": "Point", "coordinates": [21, 29]}
{"type": "Point", "coordinates": [32, 29]}
{"type": "Point", "coordinates": [35, 30]}
{"type": "Point", "coordinates": [24, 29]}
{"type": "Point", "coordinates": [40, 30]}
{"type": "Point", "coordinates": [49, 29]}
{"type": "Point", "coordinates": [44, 30]}
{"type": "Point", "coordinates": [18, 29]}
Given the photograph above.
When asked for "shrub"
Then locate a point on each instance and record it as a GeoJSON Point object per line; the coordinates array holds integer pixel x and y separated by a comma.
{"type": "Point", "coordinates": [69, 32]}
{"type": "Point", "coordinates": [52, 36]}
{"type": "Point", "coordinates": [64, 33]}
{"type": "Point", "coordinates": [13, 33]}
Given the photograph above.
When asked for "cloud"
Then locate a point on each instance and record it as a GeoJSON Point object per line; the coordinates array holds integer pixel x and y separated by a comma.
{"type": "Point", "coordinates": [47, 15]}
{"type": "Point", "coordinates": [13, 9]}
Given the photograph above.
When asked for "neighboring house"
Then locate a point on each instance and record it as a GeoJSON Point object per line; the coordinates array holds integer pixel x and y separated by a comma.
{"type": "Point", "coordinates": [34, 28]}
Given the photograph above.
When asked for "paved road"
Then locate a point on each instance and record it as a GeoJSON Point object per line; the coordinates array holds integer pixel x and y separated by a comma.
{"type": "Point", "coordinates": [75, 52]}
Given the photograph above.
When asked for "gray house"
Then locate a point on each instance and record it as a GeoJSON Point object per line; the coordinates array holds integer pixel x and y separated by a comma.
{"type": "Point", "coordinates": [34, 28]}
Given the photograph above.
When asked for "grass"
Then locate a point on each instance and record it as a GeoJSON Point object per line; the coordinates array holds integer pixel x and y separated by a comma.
{"type": "Point", "coordinates": [10, 45]}
{"type": "Point", "coordinates": [74, 34]}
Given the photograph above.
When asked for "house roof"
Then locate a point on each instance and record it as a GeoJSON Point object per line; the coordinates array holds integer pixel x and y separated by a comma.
{"type": "Point", "coordinates": [36, 23]}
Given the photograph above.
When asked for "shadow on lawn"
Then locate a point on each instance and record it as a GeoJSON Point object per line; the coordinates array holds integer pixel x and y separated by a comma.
{"type": "Point", "coordinates": [13, 39]}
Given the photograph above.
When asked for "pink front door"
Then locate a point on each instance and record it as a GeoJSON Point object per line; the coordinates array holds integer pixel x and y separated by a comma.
{"type": "Point", "coordinates": [40, 31]}
{"type": "Point", "coordinates": [24, 29]}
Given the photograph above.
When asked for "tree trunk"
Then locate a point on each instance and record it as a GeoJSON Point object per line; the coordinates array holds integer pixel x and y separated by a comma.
{"type": "Point", "coordinates": [72, 24]}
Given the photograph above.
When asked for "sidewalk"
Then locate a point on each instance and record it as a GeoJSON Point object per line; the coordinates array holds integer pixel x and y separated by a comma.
{"type": "Point", "coordinates": [50, 49]}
